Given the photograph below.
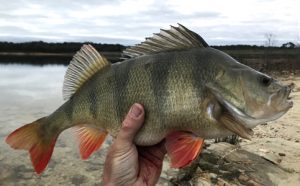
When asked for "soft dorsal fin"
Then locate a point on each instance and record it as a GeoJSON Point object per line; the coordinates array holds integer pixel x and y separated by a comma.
{"type": "Point", "coordinates": [176, 38]}
{"type": "Point", "coordinates": [85, 63]}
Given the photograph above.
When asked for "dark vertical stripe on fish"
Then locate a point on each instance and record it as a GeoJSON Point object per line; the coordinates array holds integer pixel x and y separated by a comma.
{"type": "Point", "coordinates": [122, 72]}
{"type": "Point", "coordinates": [159, 77]}
{"type": "Point", "coordinates": [69, 109]}
{"type": "Point", "coordinates": [92, 97]}
{"type": "Point", "coordinates": [197, 75]}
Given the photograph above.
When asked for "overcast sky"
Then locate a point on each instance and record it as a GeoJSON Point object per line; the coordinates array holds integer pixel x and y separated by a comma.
{"type": "Point", "coordinates": [130, 21]}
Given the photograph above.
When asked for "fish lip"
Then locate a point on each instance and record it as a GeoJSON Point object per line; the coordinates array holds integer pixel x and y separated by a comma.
{"type": "Point", "coordinates": [289, 103]}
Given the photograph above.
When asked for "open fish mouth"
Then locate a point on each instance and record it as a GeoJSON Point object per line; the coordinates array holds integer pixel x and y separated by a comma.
{"type": "Point", "coordinates": [240, 122]}
{"type": "Point", "coordinates": [251, 122]}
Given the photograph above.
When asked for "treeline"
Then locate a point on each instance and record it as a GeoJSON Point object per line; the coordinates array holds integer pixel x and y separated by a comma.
{"type": "Point", "coordinates": [288, 45]}
{"type": "Point", "coordinates": [72, 47]}
{"type": "Point", "coordinates": [65, 47]}
{"type": "Point", "coordinates": [41, 53]}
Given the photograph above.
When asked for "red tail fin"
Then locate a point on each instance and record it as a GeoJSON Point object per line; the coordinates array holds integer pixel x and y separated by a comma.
{"type": "Point", "coordinates": [29, 138]}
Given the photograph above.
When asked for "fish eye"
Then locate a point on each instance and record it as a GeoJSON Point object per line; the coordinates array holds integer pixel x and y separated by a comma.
{"type": "Point", "coordinates": [266, 81]}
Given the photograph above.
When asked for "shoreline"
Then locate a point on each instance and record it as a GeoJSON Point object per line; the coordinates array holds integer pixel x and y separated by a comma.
{"type": "Point", "coordinates": [45, 58]}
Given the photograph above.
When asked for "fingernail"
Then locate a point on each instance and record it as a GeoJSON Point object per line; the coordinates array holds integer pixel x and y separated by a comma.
{"type": "Point", "coordinates": [135, 111]}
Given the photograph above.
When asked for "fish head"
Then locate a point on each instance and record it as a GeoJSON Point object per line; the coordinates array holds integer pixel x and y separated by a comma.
{"type": "Point", "coordinates": [251, 97]}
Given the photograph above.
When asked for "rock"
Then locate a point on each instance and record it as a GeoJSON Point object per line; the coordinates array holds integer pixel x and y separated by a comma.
{"type": "Point", "coordinates": [213, 175]}
{"type": "Point", "coordinates": [253, 183]}
{"type": "Point", "coordinates": [93, 167]}
{"type": "Point", "coordinates": [264, 150]}
{"type": "Point", "coordinates": [243, 178]}
{"type": "Point", "coordinates": [202, 180]}
{"type": "Point", "coordinates": [272, 158]}
{"type": "Point", "coordinates": [222, 182]}
{"type": "Point", "coordinates": [235, 166]}
{"type": "Point", "coordinates": [78, 179]}
{"type": "Point", "coordinates": [163, 182]}
{"type": "Point", "coordinates": [281, 154]}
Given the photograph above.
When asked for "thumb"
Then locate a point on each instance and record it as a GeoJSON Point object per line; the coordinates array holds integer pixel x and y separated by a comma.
{"type": "Point", "coordinates": [131, 124]}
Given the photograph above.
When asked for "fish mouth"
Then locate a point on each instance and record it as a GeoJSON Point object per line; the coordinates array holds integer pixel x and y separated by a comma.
{"type": "Point", "coordinates": [240, 122]}
{"type": "Point", "coordinates": [249, 121]}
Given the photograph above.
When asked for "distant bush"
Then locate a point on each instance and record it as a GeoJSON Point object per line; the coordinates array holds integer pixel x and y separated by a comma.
{"type": "Point", "coordinates": [240, 47]}
{"type": "Point", "coordinates": [66, 47]}
{"type": "Point", "coordinates": [288, 45]}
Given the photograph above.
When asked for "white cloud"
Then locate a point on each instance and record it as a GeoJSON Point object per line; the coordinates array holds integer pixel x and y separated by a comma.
{"type": "Point", "coordinates": [219, 22]}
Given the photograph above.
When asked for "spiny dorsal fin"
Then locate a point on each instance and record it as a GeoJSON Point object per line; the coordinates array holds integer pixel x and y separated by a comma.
{"type": "Point", "coordinates": [85, 63]}
{"type": "Point", "coordinates": [176, 38]}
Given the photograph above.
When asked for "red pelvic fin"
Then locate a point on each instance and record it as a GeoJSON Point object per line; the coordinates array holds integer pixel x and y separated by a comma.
{"type": "Point", "coordinates": [28, 138]}
{"type": "Point", "coordinates": [90, 140]}
{"type": "Point", "coordinates": [183, 148]}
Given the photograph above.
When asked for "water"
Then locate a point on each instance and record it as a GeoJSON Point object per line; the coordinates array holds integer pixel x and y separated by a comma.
{"type": "Point", "coordinates": [26, 94]}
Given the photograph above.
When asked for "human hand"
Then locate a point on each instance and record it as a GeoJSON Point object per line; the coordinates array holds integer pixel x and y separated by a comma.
{"type": "Point", "coordinates": [128, 164]}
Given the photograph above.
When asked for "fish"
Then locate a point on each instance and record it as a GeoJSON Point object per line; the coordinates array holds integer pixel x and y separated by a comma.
{"type": "Point", "coordinates": [189, 90]}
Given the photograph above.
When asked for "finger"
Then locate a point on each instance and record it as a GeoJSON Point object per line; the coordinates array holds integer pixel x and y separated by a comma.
{"type": "Point", "coordinates": [151, 162]}
{"type": "Point", "coordinates": [131, 124]}
{"type": "Point", "coordinates": [158, 150]}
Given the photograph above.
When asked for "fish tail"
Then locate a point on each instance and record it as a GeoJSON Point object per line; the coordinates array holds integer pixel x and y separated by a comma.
{"type": "Point", "coordinates": [40, 147]}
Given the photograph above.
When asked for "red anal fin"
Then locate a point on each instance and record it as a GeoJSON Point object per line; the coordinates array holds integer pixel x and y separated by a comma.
{"type": "Point", "coordinates": [90, 140]}
{"type": "Point", "coordinates": [183, 148]}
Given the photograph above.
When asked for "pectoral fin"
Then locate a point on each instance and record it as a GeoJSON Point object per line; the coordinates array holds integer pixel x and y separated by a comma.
{"type": "Point", "coordinates": [183, 148]}
{"type": "Point", "coordinates": [235, 126]}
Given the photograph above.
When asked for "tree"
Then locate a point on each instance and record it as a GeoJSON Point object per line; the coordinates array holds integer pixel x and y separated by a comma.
{"type": "Point", "coordinates": [270, 39]}
{"type": "Point", "coordinates": [270, 42]}
{"type": "Point", "coordinates": [288, 45]}
{"type": "Point", "coordinates": [298, 41]}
